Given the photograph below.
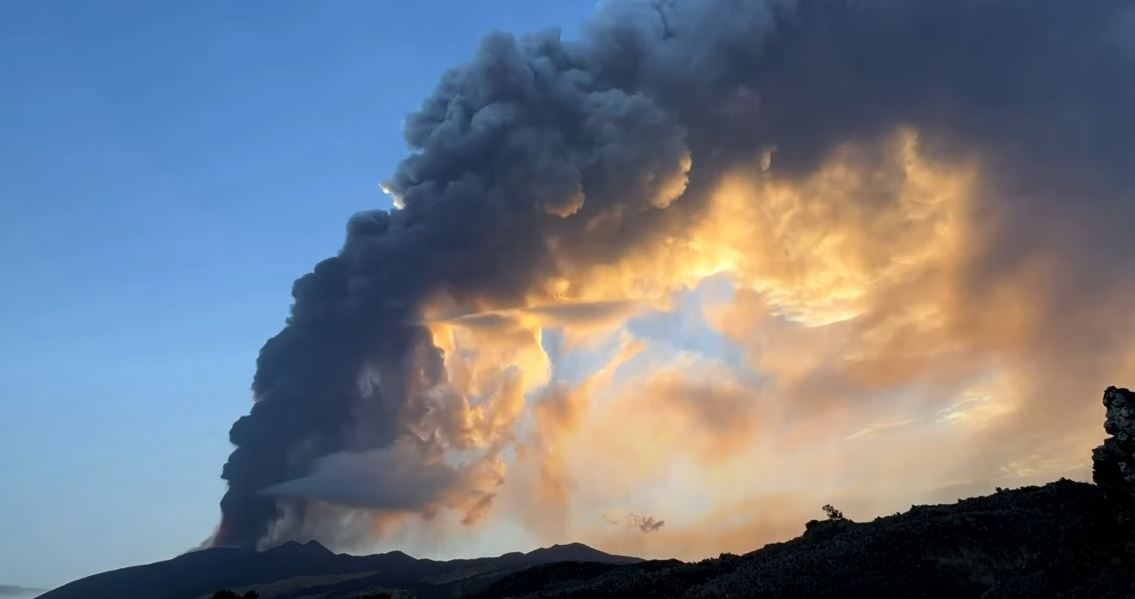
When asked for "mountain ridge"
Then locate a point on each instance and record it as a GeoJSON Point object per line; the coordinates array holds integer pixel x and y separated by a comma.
{"type": "Point", "coordinates": [202, 572]}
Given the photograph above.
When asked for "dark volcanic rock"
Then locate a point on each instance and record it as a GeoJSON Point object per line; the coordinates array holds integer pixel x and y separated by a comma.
{"type": "Point", "coordinates": [1113, 463]}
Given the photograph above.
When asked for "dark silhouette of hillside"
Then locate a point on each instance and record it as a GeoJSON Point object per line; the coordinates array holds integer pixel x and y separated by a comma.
{"type": "Point", "coordinates": [227, 594]}
{"type": "Point", "coordinates": [311, 570]}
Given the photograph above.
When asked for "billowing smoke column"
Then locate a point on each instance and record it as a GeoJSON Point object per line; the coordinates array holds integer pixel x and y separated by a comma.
{"type": "Point", "coordinates": [544, 157]}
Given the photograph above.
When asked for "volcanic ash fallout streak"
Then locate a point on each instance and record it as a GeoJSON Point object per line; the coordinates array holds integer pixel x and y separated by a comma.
{"type": "Point", "coordinates": [714, 264]}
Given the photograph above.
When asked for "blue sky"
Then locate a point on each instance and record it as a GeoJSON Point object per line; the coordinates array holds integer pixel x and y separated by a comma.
{"type": "Point", "coordinates": [166, 171]}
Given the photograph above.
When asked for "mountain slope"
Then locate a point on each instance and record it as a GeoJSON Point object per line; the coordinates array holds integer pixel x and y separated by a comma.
{"type": "Point", "coordinates": [310, 570]}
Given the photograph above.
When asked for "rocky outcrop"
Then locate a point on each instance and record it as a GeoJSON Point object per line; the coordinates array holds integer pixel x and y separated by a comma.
{"type": "Point", "coordinates": [1114, 462]}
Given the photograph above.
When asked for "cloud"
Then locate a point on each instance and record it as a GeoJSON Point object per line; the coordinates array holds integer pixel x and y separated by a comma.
{"type": "Point", "coordinates": [16, 592]}
{"type": "Point", "coordinates": [922, 210]}
{"type": "Point", "coordinates": [878, 427]}
{"type": "Point", "coordinates": [647, 524]}
{"type": "Point", "coordinates": [399, 478]}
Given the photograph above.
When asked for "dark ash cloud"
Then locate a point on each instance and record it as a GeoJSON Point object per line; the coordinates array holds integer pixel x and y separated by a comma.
{"type": "Point", "coordinates": [543, 157]}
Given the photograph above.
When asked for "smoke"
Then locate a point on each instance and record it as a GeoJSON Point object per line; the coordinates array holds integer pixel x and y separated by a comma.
{"type": "Point", "coordinates": [394, 478]}
{"type": "Point", "coordinates": [825, 153]}
{"type": "Point", "coordinates": [18, 592]}
{"type": "Point", "coordinates": [647, 523]}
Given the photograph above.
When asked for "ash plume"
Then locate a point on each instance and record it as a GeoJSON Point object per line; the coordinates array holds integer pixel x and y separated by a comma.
{"type": "Point", "coordinates": [543, 158]}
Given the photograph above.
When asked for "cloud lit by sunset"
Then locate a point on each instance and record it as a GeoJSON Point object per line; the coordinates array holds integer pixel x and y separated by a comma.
{"type": "Point", "coordinates": [806, 340]}
{"type": "Point", "coordinates": [671, 287]}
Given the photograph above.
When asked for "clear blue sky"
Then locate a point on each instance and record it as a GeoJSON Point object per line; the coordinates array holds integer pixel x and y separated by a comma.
{"type": "Point", "coordinates": [166, 170]}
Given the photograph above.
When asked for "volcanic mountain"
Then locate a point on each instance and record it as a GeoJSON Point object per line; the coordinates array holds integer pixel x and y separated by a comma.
{"type": "Point", "coordinates": [295, 570]}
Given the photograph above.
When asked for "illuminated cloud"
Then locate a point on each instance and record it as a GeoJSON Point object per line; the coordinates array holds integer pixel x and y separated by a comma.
{"type": "Point", "coordinates": [723, 262]}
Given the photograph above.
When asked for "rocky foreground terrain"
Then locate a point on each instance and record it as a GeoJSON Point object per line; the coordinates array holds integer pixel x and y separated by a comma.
{"type": "Point", "coordinates": [1063, 539]}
